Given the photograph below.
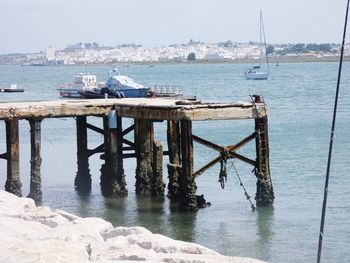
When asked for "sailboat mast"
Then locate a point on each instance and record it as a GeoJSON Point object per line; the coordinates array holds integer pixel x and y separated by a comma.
{"type": "Point", "coordinates": [260, 41]}
{"type": "Point", "coordinates": [265, 48]}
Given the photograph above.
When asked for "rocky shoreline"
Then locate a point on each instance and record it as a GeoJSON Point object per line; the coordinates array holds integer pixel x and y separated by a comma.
{"type": "Point", "coordinates": [38, 234]}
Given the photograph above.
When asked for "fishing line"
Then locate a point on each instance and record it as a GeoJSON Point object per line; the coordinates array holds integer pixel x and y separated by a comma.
{"type": "Point", "coordinates": [324, 206]}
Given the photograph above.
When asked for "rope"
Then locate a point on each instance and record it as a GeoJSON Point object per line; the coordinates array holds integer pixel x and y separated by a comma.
{"type": "Point", "coordinates": [223, 175]}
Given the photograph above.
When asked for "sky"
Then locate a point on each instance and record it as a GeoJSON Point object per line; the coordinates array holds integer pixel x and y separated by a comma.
{"type": "Point", "coordinates": [28, 26]}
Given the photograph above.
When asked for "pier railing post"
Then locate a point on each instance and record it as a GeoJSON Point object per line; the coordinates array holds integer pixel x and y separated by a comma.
{"type": "Point", "coordinates": [83, 177]}
{"type": "Point", "coordinates": [157, 184]}
{"type": "Point", "coordinates": [264, 189]}
{"type": "Point", "coordinates": [144, 137]}
{"type": "Point", "coordinates": [174, 167]}
{"type": "Point", "coordinates": [13, 182]}
{"type": "Point", "coordinates": [188, 200]}
{"type": "Point", "coordinates": [112, 173]}
{"type": "Point", "coordinates": [35, 161]}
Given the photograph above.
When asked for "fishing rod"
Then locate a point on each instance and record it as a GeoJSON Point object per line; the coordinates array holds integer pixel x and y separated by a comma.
{"type": "Point", "coordinates": [324, 206]}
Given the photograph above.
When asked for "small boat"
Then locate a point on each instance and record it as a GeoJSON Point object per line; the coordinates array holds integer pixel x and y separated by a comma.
{"type": "Point", "coordinates": [257, 72]}
{"type": "Point", "coordinates": [82, 82]}
{"type": "Point", "coordinates": [125, 86]}
{"type": "Point", "coordinates": [12, 88]}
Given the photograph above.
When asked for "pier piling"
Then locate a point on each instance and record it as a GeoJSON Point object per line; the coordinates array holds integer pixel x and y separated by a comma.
{"type": "Point", "coordinates": [35, 161]}
{"type": "Point", "coordinates": [13, 182]}
{"type": "Point", "coordinates": [174, 167]}
{"type": "Point", "coordinates": [188, 200]}
{"type": "Point", "coordinates": [264, 189]}
{"type": "Point", "coordinates": [157, 184]}
{"type": "Point", "coordinates": [113, 178]}
{"type": "Point", "coordinates": [144, 137]}
{"type": "Point", "coordinates": [82, 180]}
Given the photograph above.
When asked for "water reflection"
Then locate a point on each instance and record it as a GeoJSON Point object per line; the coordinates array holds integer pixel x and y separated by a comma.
{"type": "Point", "coordinates": [182, 225]}
{"type": "Point", "coordinates": [83, 198]}
{"type": "Point", "coordinates": [265, 216]}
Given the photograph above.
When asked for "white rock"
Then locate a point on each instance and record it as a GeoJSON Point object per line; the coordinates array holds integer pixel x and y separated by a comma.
{"type": "Point", "coordinates": [37, 234]}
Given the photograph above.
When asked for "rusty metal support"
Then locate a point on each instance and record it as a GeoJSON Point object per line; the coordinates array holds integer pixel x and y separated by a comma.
{"type": "Point", "coordinates": [112, 173]}
{"type": "Point", "coordinates": [35, 161]}
{"type": "Point", "coordinates": [229, 149]}
{"type": "Point", "coordinates": [82, 180]}
{"type": "Point", "coordinates": [264, 189]}
{"type": "Point", "coordinates": [144, 137]}
{"type": "Point", "coordinates": [174, 167]}
{"type": "Point", "coordinates": [188, 200]}
{"type": "Point", "coordinates": [13, 182]}
{"type": "Point", "coordinates": [157, 184]}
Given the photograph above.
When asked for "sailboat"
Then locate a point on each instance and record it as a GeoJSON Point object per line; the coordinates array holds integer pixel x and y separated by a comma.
{"type": "Point", "coordinates": [257, 72]}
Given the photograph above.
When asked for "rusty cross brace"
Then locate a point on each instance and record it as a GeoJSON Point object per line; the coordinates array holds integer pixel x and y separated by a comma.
{"type": "Point", "coordinates": [230, 150]}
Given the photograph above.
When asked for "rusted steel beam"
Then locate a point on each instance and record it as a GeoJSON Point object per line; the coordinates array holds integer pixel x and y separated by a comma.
{"type": "Point", "coordinates": [157, 184]}
{"type": "Point", "coordinates": [239, 145]}
{"type": "Point", "coordinates": [112, 172]}
{"type": "Point", "coordinates": [229, 149]}
{"type": "Point", "coordinates": [208, 165]}
{"type": "Point", "coordinates": [127, 142]}
{"type": "Point", "coordinates": [242, 158]}
{"type": "Point", "coordinates": [207, 143]}
{"type": "Point", "coordinates": [13, 182]}
{"type": "Point", "coordinates": [129, 129]}
{"type": "Point", "coordinates": [129, 155]}
{"type": "Point", "coordinates": [98, 149]}
{"type": "Point", "coordinates": [35, 161]}
{"type": "Point", "coordinates": [128, 148]}
{"type": "Point", "coordinates": [144, 137]}
{"type": "Point", "coordinates": [4, 156]}
{"type": "Point", "coordinates": [94, 128]}
{"type": "Point", "coordinates": [82, 180]}
{"type": "Point", "coordinates": [188, 200]}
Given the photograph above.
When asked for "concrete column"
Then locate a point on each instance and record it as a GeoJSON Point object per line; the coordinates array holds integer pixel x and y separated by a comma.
{"type": "Point", "coordinates": [82, 180]}
{"type": "Point", "coordinates": [144, 137]}
{"type": "Point", "coordinates": [112, 173]}
{"type": "Point", "coordinates": [157, 184]}
{"type": "Point", "coordinates": [174, 167]}
{"type": "Point", "coordinates": [264, 189]}
{"type": "Point", "coordinates": [13, 182]}
{"type": "Point", "coordinates": [188, 201]}
{"type": "Point", "coordinates": [35, 161]}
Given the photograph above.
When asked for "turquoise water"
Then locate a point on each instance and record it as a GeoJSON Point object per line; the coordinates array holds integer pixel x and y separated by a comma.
{"type": "Point", "coordinates": [300, 97]}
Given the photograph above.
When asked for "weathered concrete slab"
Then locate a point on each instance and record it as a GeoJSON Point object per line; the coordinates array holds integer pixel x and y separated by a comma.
{"type": "Point", "coordinates": [144, 108]}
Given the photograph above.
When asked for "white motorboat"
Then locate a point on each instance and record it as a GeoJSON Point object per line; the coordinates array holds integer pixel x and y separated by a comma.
{"type": "Point", "coordinates": [82, 82]}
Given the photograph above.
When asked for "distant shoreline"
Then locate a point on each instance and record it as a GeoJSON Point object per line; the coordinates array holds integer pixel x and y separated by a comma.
{"type": "Point", "coordinates": [272, 60]}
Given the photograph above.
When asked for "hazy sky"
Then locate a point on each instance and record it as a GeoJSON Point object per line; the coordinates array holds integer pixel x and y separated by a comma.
{"type": "Point", "coordinates": [32, 25]}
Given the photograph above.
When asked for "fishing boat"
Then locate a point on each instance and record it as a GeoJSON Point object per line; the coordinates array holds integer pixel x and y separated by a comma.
{"type": "Point", "coordinates": [11, 88]}
{"type": "Point", "coordinates": [82, 82]}
{"type": "Point", "coordinates": [258, 72]}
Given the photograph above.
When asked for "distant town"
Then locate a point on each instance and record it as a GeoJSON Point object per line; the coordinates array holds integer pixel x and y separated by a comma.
{"type": "Point", "coordinates": [193, 51]}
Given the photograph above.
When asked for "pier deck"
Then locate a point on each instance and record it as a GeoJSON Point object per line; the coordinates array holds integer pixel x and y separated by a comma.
{"type": "Point", "coordinates": [146, 108]}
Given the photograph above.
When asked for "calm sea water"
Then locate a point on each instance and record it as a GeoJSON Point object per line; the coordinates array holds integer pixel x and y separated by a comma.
{"type": "Point", "coordinates": [300, 97]}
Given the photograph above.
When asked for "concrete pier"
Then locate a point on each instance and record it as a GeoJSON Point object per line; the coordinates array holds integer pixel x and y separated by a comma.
{"type": "Point", "coordinates": [179, 114]}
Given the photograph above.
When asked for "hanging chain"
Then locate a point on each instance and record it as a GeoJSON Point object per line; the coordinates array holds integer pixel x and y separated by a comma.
{"type": "Point", "coordinates": [223, 175]}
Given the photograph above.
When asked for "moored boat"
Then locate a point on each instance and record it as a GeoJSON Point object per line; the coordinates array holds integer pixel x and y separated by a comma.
{"type": "Point", "coordinates": [82, 82]}
{"type": "Point", "coordinates": [11, 88]}
{"type": "Point", "coordinates": [125, 86]}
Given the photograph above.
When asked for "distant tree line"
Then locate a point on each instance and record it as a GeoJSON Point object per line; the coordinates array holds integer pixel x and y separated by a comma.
{"type": "Point", "coordinates": [305, 48]}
